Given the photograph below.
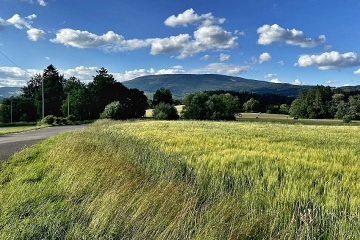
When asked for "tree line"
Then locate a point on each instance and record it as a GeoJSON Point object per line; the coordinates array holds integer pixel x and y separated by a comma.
{"type": "Point", "coordinates": [50, 94]}
{"type": "Point", "coordinates": [326, 102]}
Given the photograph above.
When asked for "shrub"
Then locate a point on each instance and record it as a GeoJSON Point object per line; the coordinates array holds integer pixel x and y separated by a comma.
{"type": "Point", "coordinates": [347, 118]}
{"type": "Point", "coordinates": [165, 111]}
{"type": "Point", "coordinates": [114, 110]}
{"type": "Point", "coordinates": [49, 119]}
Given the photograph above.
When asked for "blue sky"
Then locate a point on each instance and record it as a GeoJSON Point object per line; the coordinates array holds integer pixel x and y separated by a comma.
{"type": "Point", "coordinates": [305, 42]}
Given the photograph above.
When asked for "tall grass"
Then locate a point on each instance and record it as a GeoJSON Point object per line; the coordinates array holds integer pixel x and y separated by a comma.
{"type": "Point", "coordinates": [185, 180]}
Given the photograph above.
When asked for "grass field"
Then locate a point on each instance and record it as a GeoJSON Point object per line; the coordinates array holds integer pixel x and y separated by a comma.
{"type": "Point", "coordinates": [15, 129]}
{"type": "Point", "coordinates": [185, 180]}
{"type": "Point", "coordinates": [276, 118]}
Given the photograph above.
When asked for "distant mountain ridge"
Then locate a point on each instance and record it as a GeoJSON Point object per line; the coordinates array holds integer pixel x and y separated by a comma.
{"type": "Point", "coordinates": [6, 92]}
{"type": "Point", "coordinates": [183, 84]}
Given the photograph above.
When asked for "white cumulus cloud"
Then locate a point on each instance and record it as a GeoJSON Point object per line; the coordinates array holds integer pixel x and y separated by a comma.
{"type": "Point", "coordinates": [35, 34]}
{"type": "Point", "coordinates": [274, 33]}
{"type": "Point", "coordinates": [208, 36]}
{"type": "Point", "coordinates": [275, 80]}
{"type": "Point", "coordinates": [190, 17]}
{"type": "Point", "coordinates": [264, 57]}
{"type": "Point", "coordinates": [296, 82]}
{"type": "Point", "coordinates": [329, 60]}
{"type": "Point", "coordinates": [17, 21]}
{"type": "Point", "coordinates": [357, 72]}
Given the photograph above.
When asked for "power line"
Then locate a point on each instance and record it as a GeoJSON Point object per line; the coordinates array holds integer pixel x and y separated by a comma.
{"type": "Point", "coordinates": [9, 59]}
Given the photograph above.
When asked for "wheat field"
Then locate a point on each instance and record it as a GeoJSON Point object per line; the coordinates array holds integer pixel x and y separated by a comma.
{"type": "Point", "coordinates": [186, 180]}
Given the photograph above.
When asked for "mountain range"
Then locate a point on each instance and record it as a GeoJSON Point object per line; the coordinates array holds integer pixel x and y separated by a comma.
{"type": "Point", "coordinates": [6, 92]}
{"type": "Point", "coordinates": [183, 84]}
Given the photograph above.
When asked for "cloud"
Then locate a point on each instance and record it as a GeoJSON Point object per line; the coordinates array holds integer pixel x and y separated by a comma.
{"type": "Point", "coordinates": [205, 57]}
{"type": "Point", "coordinates": [270, 75]}
{"type": "Point", "coordinates": [224, 57]}
{"type": "Point", "coordinates": [275, 80]}
{"type": "Point", "coordinates": [214, 37]}
{"type": "Point", "coordinates": [170, 44]}
{"type": "Point", "coordinates": [282, 63]}
{"type": "Point", "coordinates": [296, 82]}
{"type": "Point", "coordinates": [109, 41]}
{"type": "Point", "coordinates": [19, 22]}
{"type": "Point", "coordinates": [221, 68]}
{"type": "Point", "coordinates": [13, 76]}
{"type": "Point", "coordinates": [264, 57]}
{"type": "Point", "coordinates": [35, 34]}
{"type": "Point", "coordinates": [42, 3]}
{"type": "Point", "coordinates": [207, 36]}
{"type": "Point", "coordinates": [239, 33]}
{"type": "Point", "coordinates": [274, 33]}
{"type": "Point", "coordinates": [329, 60]}
{"type": "Point", "coordinates": [3, 23]}
{"type": "Point", "coordinates": [357, 72]}
{"type": "Point", "coordinates": [86, 74]}
{"type": "Point", "coordinates": [190, 17]}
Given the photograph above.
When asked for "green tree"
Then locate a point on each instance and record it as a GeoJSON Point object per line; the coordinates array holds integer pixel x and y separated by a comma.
{"type": "Point", "coordinates": [162, 95]}
{"type": "Point", "coordinates": [284, 109]}
{"type": "Point", "coordinates": [222, 107]}
{"type": "Point", "coordinates": [165, 111]}
{"type": "Point", "coordinates": [251, 105]}
{"type": "Point", "coordinates": [135, 103]}
{"type": "Point", "coordinates": [195, 106]}
{"type": "Point", "coordinates": [298, 108]}
{"type": "Point", "coordinates": [33, 87]}
{"type": "Point", "coordinates": [202, 106]}
{"type": "Point", "coordinates": [53, 92]}
{"type": "Point", "coordinates": [104, 90]}
{"type": "Point", "coordinates": [22, 110]}
{"type": "Point", "coordinates": [78, 99]}
{"type": "Point", "coordinates": [313, 103]}
{"type": "Point", "coordinates": [354, 107]}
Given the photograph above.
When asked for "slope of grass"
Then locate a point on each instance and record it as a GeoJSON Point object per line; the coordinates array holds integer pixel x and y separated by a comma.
{"type": "Point", "coordinates": [185, 180]}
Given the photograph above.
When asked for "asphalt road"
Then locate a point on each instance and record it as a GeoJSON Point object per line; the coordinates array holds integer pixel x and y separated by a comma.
{"type": "Point", "coordinates": [11, 143]}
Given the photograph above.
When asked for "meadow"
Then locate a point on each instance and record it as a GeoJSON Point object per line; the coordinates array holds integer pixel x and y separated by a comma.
{"type": "Point", "coordinates": [185, 180]}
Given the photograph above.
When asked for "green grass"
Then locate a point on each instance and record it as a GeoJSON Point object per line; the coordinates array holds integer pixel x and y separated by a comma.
{"type": "Point", "coordinates": [282, 118]}
{"type": "Point", "coordinates": [185, 180]}
{"type": "Point", "coordinates": [16, 129]}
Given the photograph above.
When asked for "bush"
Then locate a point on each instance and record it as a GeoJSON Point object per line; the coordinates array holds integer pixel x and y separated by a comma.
{"type": "Point", "coordinates": [347, 118]}
{"type": "Point", "coordinates": [114, 110]}
{"type": "Point", "coordinates": [49, 119]}
{"type": "Point", "coordinates": [165, 111]}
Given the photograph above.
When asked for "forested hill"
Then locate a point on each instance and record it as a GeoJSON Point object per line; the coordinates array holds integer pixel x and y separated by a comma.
{"type": "Point", "coordinates": [182, 84]}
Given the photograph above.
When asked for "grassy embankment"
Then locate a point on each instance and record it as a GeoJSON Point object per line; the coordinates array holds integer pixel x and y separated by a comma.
{"type": "Point", "coordinates": [185, 180]}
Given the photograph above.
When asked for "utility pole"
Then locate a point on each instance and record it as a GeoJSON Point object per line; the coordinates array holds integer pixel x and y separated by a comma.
{"type": "Point", "coordinates": [11, 112]}
{"type": "Point", "coordinates": [68, 105]}
{"type": "Point", "coordinates": [42, 96]}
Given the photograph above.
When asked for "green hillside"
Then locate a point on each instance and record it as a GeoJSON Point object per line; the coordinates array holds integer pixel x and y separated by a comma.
{"type": "Point", "coordinates": [183, 84]}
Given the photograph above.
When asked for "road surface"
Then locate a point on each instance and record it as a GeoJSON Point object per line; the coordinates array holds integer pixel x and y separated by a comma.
{"type": "Point", "coordinates": [11, 143]}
